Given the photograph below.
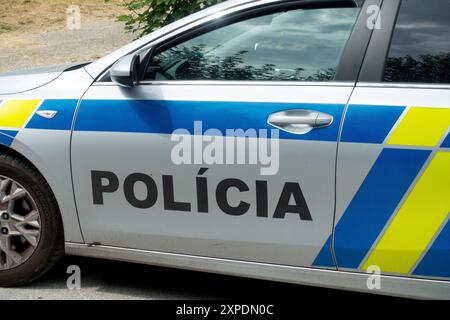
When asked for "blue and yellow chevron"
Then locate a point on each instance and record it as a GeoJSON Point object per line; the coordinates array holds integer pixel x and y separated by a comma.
{"type": "Point", "coordinates": [398, 219]}
{"type": "Point", "coordinates": [16, 115]}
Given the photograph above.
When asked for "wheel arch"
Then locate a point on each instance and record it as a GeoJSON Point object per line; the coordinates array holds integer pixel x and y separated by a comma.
{"type": "Point", "coordinates": [6, 150]}
{"type": "Point", "coordinates": [66, 222]}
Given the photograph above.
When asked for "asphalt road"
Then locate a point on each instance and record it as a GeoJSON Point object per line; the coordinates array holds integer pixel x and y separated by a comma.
{"type": "Point", "coordinates": [106, 280]}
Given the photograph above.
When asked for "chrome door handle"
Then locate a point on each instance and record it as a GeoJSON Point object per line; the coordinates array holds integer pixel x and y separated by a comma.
{"type": "Point", "coordinates": [299, 121]}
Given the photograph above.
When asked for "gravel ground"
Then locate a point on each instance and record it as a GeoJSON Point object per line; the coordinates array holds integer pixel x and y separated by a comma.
{"type": "Point", "coordinates": [106, 280]}
{"type": "Point", "coordinates": [31, 50]}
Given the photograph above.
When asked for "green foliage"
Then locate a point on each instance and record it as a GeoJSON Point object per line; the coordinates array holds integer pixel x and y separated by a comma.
{"type": "Point", "coordinates": [148, 15]}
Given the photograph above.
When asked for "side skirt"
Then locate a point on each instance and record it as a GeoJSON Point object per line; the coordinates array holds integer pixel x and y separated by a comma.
{"type": "Point", "coordinates": [390, 285]}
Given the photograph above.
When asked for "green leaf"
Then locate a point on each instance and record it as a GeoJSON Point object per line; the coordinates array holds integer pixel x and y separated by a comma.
{"type": "Point", "coordinates": [148, 15]}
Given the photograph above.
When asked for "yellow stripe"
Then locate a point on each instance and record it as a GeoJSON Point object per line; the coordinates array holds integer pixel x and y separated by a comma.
{"type": "Point", "coordinates": [14, 113]}
{"type": "Point", "coordinates": [421, 127]}
{"type": "Point", "coordinates": [417, 222]}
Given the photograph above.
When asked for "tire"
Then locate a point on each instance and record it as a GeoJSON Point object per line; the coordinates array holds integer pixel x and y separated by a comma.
{"type": "Point", "coordinates": [43, 227]}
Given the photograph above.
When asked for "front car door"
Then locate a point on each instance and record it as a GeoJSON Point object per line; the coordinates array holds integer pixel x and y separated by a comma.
{"type": "Point", "coordinates": [227, 183]}
{"type": "Point", "coordinates": [393, 181]}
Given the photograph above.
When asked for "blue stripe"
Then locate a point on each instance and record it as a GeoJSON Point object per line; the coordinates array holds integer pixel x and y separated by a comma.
{"type": "Point", "coordinates": [369, 124]}
{"type": "Point", "coordinates": [324, 258]}
{"type": "Point", "coordinates": [6, 140]}
{"type": "Point", "coordinates": [154, 116]}
{"type": "Point", "coordinates": [436, 262]}
{"type": "Point", "coordinates": [376, 200]}
{"type": "Point", "coordinates": [7, 136]}
{"type": "Point", "coordinates": [62, 120]}
{"type": "Point", "coordinates": [446, 143]}
{"type": "Point", "coordinates": [10, 133]}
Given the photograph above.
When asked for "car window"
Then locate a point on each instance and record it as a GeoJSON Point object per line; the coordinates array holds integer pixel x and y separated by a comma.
{"type": "Point", "coordinates": [420, 48]}
{"type": "Point", "coordinates": [300, 45]}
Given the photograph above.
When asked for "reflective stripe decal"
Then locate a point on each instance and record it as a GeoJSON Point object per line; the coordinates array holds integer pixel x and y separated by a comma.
{"type": "Point", "coordinates": [417, 222]}
{"type": "Point", "coordinates": [374, 203]}
{"type": "Point", "coordinates": [446, 143]}
{"type": "Point", "coordinates": [412, 230]}
{"type": "Point", "coordinates": [153, 116]}
{"type": "Point", "coordinates": [10, 133]}
{"type": "Point", "coordinates": [436, 262]}
{"type": "Point", "coordinates": [369, 124]}
{"type": "Point", "coordinates": [421, 127]}
{"type": "Point", "coordinates": [15, 113]}
{"type": "Point", "coordinates": [62, 120]}
{"type": "Point", "coordinates": [7, 137]}
{"type": "Point", "coordinates": [6, 140]}
{"type": "Point", "coordinates": [325, 258]}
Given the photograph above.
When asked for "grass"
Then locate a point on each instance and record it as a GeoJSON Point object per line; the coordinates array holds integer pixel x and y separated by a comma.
{"type": "Point", "coordinates": [23, 16]}
{"type": "Point", "coordinates": [5, 27]}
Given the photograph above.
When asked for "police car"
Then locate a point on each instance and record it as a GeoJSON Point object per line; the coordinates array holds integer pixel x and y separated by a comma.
{"type": "Point", "coordinates": [113, 159]}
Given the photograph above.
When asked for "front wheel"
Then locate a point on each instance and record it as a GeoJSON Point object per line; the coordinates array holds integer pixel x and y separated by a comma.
{"type": "Point", "coordinates": [31, 232]}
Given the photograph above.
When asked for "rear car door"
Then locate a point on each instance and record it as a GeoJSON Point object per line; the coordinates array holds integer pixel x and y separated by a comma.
{"type": "Point", "coordinates": [283, 66]}
{"type": "Point", "coordinates": [393, 182]}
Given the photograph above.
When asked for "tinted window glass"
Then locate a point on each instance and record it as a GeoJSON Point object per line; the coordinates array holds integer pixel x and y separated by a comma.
{"type": "Point", "coordinates": [301, 45]}
{"type": "Point", "coordinates": [420, 49]}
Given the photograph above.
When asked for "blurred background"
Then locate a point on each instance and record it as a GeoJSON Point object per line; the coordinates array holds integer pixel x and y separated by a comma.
{"type": "Point", "coordinates": [35, 33]}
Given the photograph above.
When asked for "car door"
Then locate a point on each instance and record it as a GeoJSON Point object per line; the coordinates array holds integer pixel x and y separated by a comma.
{"type": "Point", "coordinates": [393, 182]}
{"type": "Point", "coordinates": [227, 147]}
